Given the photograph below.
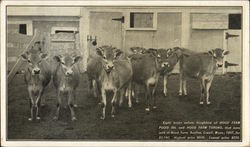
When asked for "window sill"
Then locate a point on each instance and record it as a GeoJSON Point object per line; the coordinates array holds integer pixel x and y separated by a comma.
{"type": "Point", "coordinates": [141, 29]}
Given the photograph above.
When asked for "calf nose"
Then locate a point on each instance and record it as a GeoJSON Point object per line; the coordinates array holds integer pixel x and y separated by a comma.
{"type": "Point", "coordinates": [69, 72]}
{"type": "Point", "coordinates": [36, 71]}
{"type": "Point", "coordinates": [219, 65]}
{"type": "Point", "coordinates": [165, 64]}
{"type": "Point", "coordinates": [110, 67]}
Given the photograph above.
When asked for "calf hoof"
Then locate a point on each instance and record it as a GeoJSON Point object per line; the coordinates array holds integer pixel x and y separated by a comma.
{"type": "Point", "coordinates": [102, 117]}
{"type": "Point", "coordinates": [43, 105]}
{"type": "Point", "coordinates": [180, 93]}
{"type": "Point", "coordinates": [208, 103]}
{"type": "Point", "coordinates": [73, 119]}
{"type": "Point", "coordinates": [154, 107]}
{"type": "Point", "coordinates": [38, 118]}
{"type": "Point", "coordinates": [55, 118]}
{"type": "Point", "coordinates": [75, 105]}
{"type": "Point", "coordinates": [147, 109]}
{"type": "Point", "coordinates": [201, 103]}
{"type": "Point", "coordinates": [137, 101]}
{"type": "Point", "coordinates": [113, 116]}
{"type": "Point", "coordinates": [130, 105]}
{"type": "Point", "coordinates": [30, 119]}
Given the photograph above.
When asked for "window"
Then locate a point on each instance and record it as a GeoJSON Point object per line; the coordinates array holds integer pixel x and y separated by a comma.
{"type": "Point", "coordinates": [23, 29]}
{"type": "Point", "coordinates": [55, 30]}
{"type": "Point", "coordinates": [234, 21]}
{"type": "Point", "coordinates": [141, 20]}
{"type": "Point", "coordinates": [64, 31]}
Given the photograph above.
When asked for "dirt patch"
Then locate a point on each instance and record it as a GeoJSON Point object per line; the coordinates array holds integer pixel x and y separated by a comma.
{"type": "Point", "coordinates": [132, 123]}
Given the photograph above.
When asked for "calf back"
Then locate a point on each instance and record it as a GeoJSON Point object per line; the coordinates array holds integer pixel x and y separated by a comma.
{"type": "Point", "coordinates": [197, 65]}
{"type": "Point", "coordinates": [144, 67]}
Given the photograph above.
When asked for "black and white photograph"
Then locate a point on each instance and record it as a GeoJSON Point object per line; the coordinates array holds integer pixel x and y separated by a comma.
{"type": "Point", "coordinates": [124, 73]}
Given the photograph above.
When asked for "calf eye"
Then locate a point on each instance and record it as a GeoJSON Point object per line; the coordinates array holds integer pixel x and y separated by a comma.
{"type": "Point", "coordinates": [63, 63]}
{"type": "Point", "coordinates": [29, 61]}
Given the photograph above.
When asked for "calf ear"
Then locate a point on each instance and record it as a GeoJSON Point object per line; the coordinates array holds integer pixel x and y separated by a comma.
{"type": "Point", "coordinates": [77, 58]}
{"type": "Point", "coordinates": [132, 49]}
{"type": "Point", "coordinates": [44, 56]}
{"type": "Point", "coordinates": [226, 52]}
{"type": "Point", "coordinates": [118, 52]}
{"type": "Point", "coordinates": [99, 51]}
{"type": "Point", "coordinates": [57, 58]}
{"type": "Point", "coordinates": [211, 52]}
{"type": "Point", "coordinates": [153, 52]}
{"type": "Point", "coordinates": [25, 56]}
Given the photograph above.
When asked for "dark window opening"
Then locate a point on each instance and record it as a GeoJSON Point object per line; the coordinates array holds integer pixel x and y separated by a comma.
{"type": "Point", "coordinates": [234, 21]}
{"type": "Point", "coordinates": [23, 29]}
{"type": "Point", "coordinates": [64, 31]}
{"type": "Point", "coordinates": [141, 20]}
{"type": "Point", "coordinates": [131, 20]}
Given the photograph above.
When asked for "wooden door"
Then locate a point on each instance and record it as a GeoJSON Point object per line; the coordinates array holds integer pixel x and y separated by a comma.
{"type": "Point", "coordinates": [105, 30]}
{"type": "Point", "coordinates": [234, 45]}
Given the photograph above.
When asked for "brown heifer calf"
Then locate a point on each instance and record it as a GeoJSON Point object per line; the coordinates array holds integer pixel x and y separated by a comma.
{"type": "Point", "coordinates": [94, 68]}
{"type": "Point", "coordinates": [115, 76]}
{"type": "Point", "coordinates": [37, 77]}
{"type": "Point", "coordinates": [66, 79]}
{"type": "Point", "coordinates": [146, 71]}
{"type": "Point", "coordinates": [202, 66]}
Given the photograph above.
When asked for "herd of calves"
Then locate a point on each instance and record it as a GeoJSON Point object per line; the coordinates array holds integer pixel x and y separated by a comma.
{"type": "Point", "coordinates": [111, 69]}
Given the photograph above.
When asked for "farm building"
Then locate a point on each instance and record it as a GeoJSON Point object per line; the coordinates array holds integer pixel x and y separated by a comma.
{"type": "Point", "coordinates": [73, 29]}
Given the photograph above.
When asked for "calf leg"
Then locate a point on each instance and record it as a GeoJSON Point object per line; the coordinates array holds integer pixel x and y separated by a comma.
{"type": "Point", "coordinates": [43, 101]}
{"type": "Point", "coordinates": [121, 97]}
{"type": "Point", "coordinates": [37, 104]}
{"type": "Point", "coordinates": [147, 95]}
{"type": "Point", "coordinates": [184, 86]}
{"type": "Point", "coordinates": [71, 107]}
{"type": "Point", "coordinates": [113, 102]}
{"type": "Point", "coordinates": [181, 82]}
{"type": "Point", "coordinates": [94, 88]}
{"type": "Point", "coordinates": [208, 85]}
{"type": "Point", "coordinates": [153, 96]}
{"type": "Point", "coordinates": [74, 98]}
{"type": "Point", "coordinates": [31, 105]}
{"type": "Point", "coordinates": [129, 95]}
{"type": "Point", "coordinates": [165, 84]}
{"type": "Point", "coordinates": [104, 102]}
{"type": "Point", "coordinates": [58, 105]}
{"type": "Point", "coordinates": [202, 85]}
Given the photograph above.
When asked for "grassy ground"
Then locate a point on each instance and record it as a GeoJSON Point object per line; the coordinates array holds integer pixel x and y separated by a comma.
{"type": "Point", "coordinates": [132, 123]}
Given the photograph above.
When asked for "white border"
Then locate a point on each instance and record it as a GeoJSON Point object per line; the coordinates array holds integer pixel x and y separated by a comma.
{"type": "Point", "coordinates": [245, 94]}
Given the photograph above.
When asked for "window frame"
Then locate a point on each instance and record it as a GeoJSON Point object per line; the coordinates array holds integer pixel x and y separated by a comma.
{"type": "Point", "coordinates": [154, 28]}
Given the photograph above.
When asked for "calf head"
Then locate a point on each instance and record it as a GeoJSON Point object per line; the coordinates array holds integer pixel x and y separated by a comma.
{"type": "Point", "coordinates": [161, 55]}
{"type": "Point", "coordinates": [138, 50]}
{"type": "Point", "coordinates": [218, 54]}
{"type": "Point", "coordinates": [109, 54]}
{"type": "Point", "coordinates": [67, 63]}
{"type": "Point", "coordinates": [34, 59]}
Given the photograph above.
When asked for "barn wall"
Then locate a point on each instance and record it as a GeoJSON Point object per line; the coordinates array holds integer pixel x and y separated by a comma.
{"type": "Point", "coordinates": [17, 42]}
{"type": "Point", "coordinates": [167, 34]}
{"type": "Point", "coordinates": [204, 40]}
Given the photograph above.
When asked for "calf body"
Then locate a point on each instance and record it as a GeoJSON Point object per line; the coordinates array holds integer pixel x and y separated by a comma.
{"type": "Point", "coordinates": [94, 68]}
{"type": "Point", "coordinates": [37, 77]}
{"type": "Point", "coordinates": [66, 80]}
{"type": "Point", "coordinates": [203, 67]}
{"type": "Point", "coordinates": [115, 76]}
{"type": "Point", "coordinates": [146, 72]}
